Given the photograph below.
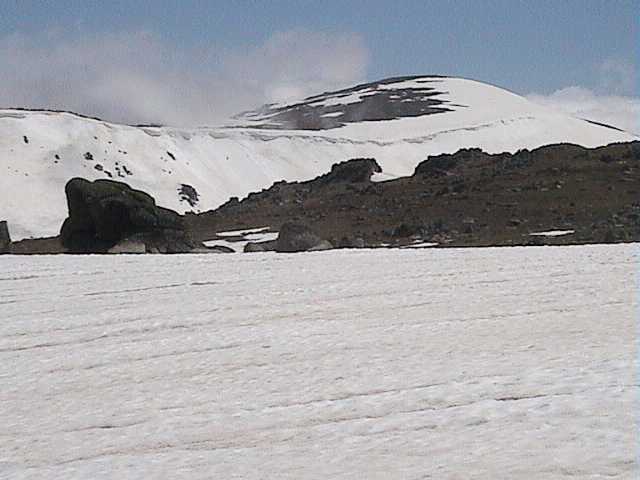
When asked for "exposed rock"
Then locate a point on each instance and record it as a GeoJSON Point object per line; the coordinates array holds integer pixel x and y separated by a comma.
{"type": "Point", "coordinates": [463, 199]}
{"type": "Point", "coordinates": [40, 246]}
{"type": "Point", "coordinates": [356, 170]}
{"type": "Point", "coordinates": [405, 230]}
{"type": "Point", "coordinates": [266, 246]}
{"type": "Point", "coordinates": [213, 249]}
{"type": "Point", "coordinates": [5, 238]}
{"type": "Point", "coordinates": [129, 245]}
{"type": "Point", "coordinates": [348, 242]}
{"type": "Point", "coordinates": [322, 112]}
{"type": "Point", "coordinates": [188, 194]}
{"type": "Point", "coordinates": [323, 245]}
{"type": "Point", "coordinates": [294, 237]}
{"type": "Point", "coordinates": [104, 213]}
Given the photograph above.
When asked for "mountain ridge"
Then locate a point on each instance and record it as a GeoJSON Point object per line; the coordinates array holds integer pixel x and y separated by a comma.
{"type": "Point", "coordinates": [41, 150]}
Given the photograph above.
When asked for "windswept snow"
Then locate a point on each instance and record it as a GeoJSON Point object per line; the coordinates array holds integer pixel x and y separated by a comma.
{"type": "Point", "coordinates": [475, 363]}
{"type": "Point", "coordinates": [222, 162]}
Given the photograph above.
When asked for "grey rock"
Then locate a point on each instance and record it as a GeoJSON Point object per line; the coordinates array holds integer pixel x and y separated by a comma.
{"type": "Point", "coordinates": [129, 245]}
{"type": "Point", "coordinates": [104, 213]}
{"type": "Point", "coordinates": [5, 238]}
{"type": "Point", "coordinates": [323, 245]}
{"type": "Point", "coordinates": [294, 237]}
{"type": "Point", "coordinates": [214, 249]}
{"type": "Point", "coordinates": [267, 246]}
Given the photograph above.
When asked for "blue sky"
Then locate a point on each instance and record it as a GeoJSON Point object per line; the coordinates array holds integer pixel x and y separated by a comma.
{"type": "Point", "coordinates": [539, 46]}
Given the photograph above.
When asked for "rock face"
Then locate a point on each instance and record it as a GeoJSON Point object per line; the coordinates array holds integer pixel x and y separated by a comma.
{"type": "Point", "coordinates": [104, 213]}
{"type": "Point", "coordinates": [5, 238]}
{"type": "Point", "coordinates": [266, 246]}
{"type": "Point", "coordinates": [129, 245]}
{"type": "Point", "coordinates": [356, 170]}
{"type": "Point", "coordinates": [294, 237]}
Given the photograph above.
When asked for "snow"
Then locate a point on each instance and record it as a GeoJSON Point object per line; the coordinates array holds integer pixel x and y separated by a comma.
{"type": "Point", "coordinates": [553, 233]}
{"type": "Point", "coordinates": [246, 231]}
{"type": "Point", "coordinates": [332, 114]}
{"type": "Point", "coordinates": [238, 245]}
{"type": "Point", "coordinates": [421, 245]}
{"type": "Point", "coordinates": [468, 363]}
{"type": "Point", "coordinates": [220, 162]}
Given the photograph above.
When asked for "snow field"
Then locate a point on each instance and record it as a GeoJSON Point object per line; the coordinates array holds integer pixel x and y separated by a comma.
{"type": "Point", "coordinates": [448, 364]}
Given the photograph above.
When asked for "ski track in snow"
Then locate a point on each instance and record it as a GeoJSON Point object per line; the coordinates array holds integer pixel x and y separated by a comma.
{"type": "Point", "coordinates": [466, 363]}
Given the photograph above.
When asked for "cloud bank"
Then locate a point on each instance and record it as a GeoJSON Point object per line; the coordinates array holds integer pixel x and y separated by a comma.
{"type": "Point", "coordinates": [137, 77]}
{"type": "Point", "coordinates": [613, 99]}
{"type": "Point", "coordinates": [616, 110]}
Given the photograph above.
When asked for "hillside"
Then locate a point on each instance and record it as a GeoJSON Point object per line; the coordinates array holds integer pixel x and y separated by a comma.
{"type": "Point", "coordinates": [397, 121]}
{"type": "Point", "coordinates": [554, 194]}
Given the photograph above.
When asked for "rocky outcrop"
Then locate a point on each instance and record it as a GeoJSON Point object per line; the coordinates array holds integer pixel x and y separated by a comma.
{"type": "Point", "coordinates": [266, 246]}
{"type": "Point", "coordinates": [5, 238]}
{"type": "Point", "coordinates": [129, 245]}
{"type": "Point", "coordinates": [294, 237]}
{"type": "Point", "coordinates": [463, 199]}
{"type": "Point", "coordinates": [356, 170]}
{"type": "Point", "coordinates": [105, 214]}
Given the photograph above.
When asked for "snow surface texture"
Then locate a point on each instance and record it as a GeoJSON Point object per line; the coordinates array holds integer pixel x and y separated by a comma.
{"type": "Point", "coordinates": [510, 363]}
{"type": "Point", "coordinates": [41, 151]}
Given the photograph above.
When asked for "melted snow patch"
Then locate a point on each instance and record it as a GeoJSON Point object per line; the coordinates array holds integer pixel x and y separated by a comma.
{"type": "Point", "coordinates": [553, 233]}
{"type": "Point", "coordinates": [237, 233]}
{"type": "Point", "coordinates": [421, 245]}
{"type": "Point", "coordinates": [237, 239]}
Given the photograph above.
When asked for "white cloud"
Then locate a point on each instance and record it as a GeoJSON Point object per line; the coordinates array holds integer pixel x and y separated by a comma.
{"type": "Point", "coordinates": [615, 110]}
{"type": "Point", "coordinates": [137, 77]}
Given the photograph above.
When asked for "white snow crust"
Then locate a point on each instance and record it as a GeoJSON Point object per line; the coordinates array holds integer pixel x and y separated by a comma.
{"type": "Point", "coordinates": [220, 162]}
{"type": "Point", "coordinates": [485, 363]}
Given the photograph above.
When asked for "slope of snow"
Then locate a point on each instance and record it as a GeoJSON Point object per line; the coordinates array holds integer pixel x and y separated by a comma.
{"type": "Point", "coordinates": [475, 363]}
{"type": "Point", "coordinates": [236, 160]}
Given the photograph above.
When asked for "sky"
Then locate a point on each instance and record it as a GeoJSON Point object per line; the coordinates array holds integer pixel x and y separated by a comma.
{"type": "Point", "coordinates": [194, 62]}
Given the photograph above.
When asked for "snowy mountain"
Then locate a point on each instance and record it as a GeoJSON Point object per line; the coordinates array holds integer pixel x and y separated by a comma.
{"type": "Point", "coordinates": [398, 121]}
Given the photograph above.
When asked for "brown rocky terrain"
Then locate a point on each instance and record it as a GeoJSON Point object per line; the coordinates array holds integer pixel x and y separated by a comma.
{"type": "Point", "coordinates": [469, 198]}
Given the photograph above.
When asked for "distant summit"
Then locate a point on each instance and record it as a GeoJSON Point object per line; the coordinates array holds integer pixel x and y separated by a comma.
{"type": "Point", "coordinates": [388, 99]}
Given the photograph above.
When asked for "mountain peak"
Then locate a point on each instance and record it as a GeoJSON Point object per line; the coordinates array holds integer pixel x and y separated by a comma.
{"type": "Point", "coordinates": [387, 99]}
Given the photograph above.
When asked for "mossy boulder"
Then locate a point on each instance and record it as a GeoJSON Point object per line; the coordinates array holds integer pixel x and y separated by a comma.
{"type": "Point", "coordinates": [103, 213]}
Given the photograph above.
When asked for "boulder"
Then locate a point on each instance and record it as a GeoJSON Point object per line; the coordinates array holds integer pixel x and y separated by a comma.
{"type": "Point", "coordinates": [349, 242]}
{"type": "Point", "coordinates": [214, 249]}
{"type": "Point", "coordinates": [129, 245]}
{"type": "Point", "coordinates": [323, 245]}
{"type": "Point", "coordinates": [294, 237]}
{"type": "Point", "coordinates": [103, 213]}
{"type": "Point", "coordinates": [439, 165]}
{"type": "Point", "coordinates": [5, 238]}
{"type": "Point", "coordinates": [356, 170]}
{"type": "Point", "coordinates": [267, 246]}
